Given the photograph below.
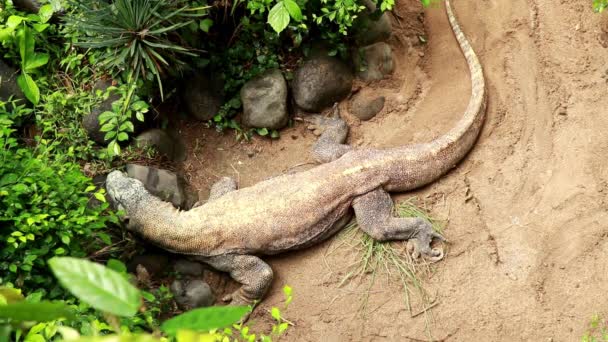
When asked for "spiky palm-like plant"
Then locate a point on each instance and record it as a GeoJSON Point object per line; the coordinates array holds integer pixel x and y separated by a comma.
{"type": "Point", "coordinates": [137, 36]}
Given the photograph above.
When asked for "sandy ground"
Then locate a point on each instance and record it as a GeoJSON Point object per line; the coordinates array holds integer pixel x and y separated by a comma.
{"type": "Point", "coordinates": [526, 210]}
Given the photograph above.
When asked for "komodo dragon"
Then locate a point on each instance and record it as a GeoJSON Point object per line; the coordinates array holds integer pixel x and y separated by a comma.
{"type": "Point", "coordinates": [298, 210]}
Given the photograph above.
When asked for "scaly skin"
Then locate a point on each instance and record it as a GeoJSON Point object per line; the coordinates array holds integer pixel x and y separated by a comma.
{"type": "Point", "coordinates": [297, 210]}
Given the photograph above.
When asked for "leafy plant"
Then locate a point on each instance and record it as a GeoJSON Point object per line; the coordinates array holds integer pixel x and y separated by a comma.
{"type": "Point", "coordinates": [598, 330]}
{"type": "Point", "coordinates": [139, 36]}
{"type": "Point", "coordinates": [44, 208]}
{"type": "Point", "coordinates": [118, 123]}
{"type": "Point", "coordinates": [22, 31]}
{"type": "Point", "coordinates": [600, 5]}
{"type": "Point", "coordinates": [110, 291]}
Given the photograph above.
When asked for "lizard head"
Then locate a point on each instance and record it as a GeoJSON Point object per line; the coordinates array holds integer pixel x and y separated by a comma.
{"type": "Point", "coordinates": [124, 191]}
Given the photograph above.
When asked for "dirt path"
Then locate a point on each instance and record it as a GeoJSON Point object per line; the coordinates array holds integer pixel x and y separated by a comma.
{"type": "Point", "coordinates": [527, 209]}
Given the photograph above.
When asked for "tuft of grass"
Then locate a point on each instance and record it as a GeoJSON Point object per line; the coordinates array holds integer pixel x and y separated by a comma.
{"type": "Point", "coordinates": [391, 259]}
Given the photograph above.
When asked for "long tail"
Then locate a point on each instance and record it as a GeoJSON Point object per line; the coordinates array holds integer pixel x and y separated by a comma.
{"type": "Point", "coordinates": [431, 160]}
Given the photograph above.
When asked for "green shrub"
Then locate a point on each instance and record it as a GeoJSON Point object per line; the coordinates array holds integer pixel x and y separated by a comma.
{"type": "Point", "coordinates": [139, 36]}
{"type": "Point", "coordinates": [44, 209]}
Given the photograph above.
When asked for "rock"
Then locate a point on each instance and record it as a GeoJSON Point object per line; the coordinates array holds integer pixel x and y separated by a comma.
{"type": "Point", "coordinates": [31, 6]}
{"type": "Point", "coordinates": [371, 29]}
{"type": "Point", "coordinates": [374, 62]}
{"type": "Point", "coordinates": [320, 82]}
{"type": "Point", "coordinates": [264, 101]}
{"type": "Point", "coordinates": [154, 264]}
{"type": "Point", "coordinates": [365, 105]}
{"type": "Point", "coordinates": [90, 122]}
{"type": "Point", "coordinates": [192, 294]}
{"type": "Point", "coordinates": [187, 267]}
{"type": "Point", "coordinates": [203, 96]}
{"type": "Point", "coordinates": [164, 184]}
{"type": "Point", "coordinates": [8, 84]}
{"type": "Point", "coordinates": [163, 143]}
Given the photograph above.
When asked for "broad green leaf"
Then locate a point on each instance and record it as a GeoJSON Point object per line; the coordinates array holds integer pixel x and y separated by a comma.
{"type": "Point", "coordinates": [36, 60]}
{"type": "Point", "coordinates": [117, 265]}
{"type": "Point", "coordinates": [105, 116]}
{"type": "Point", "coordinates": [262, 131]}
{"type": "Point", "coordinates": [27, 44]}
{"type": "Point", "coordinates": [45, 13]}
{"type": "Point", "coordinates": [278, 17]}
{"type": "Point", "coordinates": [293, 9]}
{"type": "Point", "coordinates": [29, 88]}
{"type": "Point", "coordinates": [113, 149]}
{"type": "Point", "coordinates": [40, 27]}
{"type": "Point", "coordinates": [127, 126]}
{"type": "Point", "coordinates": [38, 312]}
{"type": "Point", "coordinates": [14, 21]}
{"type": "Point", "coordinates": [99, 286]}
{"type": "Point", "coordinates": [6, 34]}
{"type": "Point", "coordinates": [122, 136]}
{"type": "Point", "coordinates": [11, 295]}
{"type": "Point", "coordinates": [206, 24]}
{"type": "Point", "coordinates": [205, 319]}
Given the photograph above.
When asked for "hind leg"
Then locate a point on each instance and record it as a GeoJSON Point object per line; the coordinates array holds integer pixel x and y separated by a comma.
{"type": "Point", "coordinates": [374, 213]}
{"type": "Point", "coordinates": [218, 189]}
{"type": "Point", "coordinates": [254, 275]}
{"type": "Point", "coordinates": [330, 145]}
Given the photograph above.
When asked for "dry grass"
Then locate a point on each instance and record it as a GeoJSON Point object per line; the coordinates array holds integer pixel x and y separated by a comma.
{"type": "Point", "coordinates": [391, 259]}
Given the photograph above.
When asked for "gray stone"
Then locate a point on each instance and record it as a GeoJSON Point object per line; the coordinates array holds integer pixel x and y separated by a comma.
{"type": "Point", "coordinates": [192, 294]}
{"type": "Point", "coordinates": [203, 96]}
{"type": "Point", "coordinates": [31, 6]}
{"type": "Point", "coordinates": [8, 84]}
{"type": "Point", "coordinates": [374, 62]}
{"type": "Point", "coordinates": [365, 105]}
{"type": "Point", "coordinates": [187, 267]}
{"type": "Point", "coordinates": [264, 101]}
{"type": "Point", "coordinates": [164, 184]}
{"type": "Point", "coordinates": [163, 143]}
{"type": "Point", "coordinates": [320, 82]}
{"type": "Point", "coordinates": [90, 122]}
{"type": "Point", "coordinates": [155, 264]}
{"type": "Point", "coordinates": [370, 28]}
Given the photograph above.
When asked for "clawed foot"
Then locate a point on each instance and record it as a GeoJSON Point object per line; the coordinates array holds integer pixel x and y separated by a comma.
{"type": "Point", "coordinates": [420, 245]}
{"type": "Point", "coordinates": [317, 123]}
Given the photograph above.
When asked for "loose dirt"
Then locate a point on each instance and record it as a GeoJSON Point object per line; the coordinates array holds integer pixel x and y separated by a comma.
{"type": "Point", "coordinates": [527, 214]}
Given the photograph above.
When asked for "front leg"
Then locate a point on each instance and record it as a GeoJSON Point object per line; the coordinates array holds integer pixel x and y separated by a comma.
{"type": "Point", "coordinates": [251, 272]}
{"type": "Point", "coordinates": [374, 213]}
{"type": "Point", "coordinates": [218, 189]}
{"type": "Point", "coordinates": [330, 145]}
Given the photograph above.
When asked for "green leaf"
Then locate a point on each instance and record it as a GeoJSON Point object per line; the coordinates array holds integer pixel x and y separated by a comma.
{"type": "Point", "coordinates": [99, 286]}
{"type": "Point", "coordinates": [275, 134]}
{"type": "Point", "coordinates": [113, 150]}
{"type": "Point", "coordinates": [100, 197]}
{"type": "Point", "coordinates": [105, 116]}
{"type": "Point", "coordinates": [27, 44]}
{"type": "Point", "coordinates": [45, 13]}
{"type": "Point", "coordinates": [122, 136]}
{"type": "Point", "coordinates": [29, 88]}
{"type": "Point", "coordinates": [205, 319]}
{"type": "Point", "coordinates": [40, 27]}
{"type": "Point", "coordinates": [38, 312]}
{"type": "Point", "coordinates": [14, 21]}
{"type": "Point", "coordinates": [275, 313]}
{"type": "Point", "coordinates": [117, 265]}
{"type": "Point", "coordinates": [11, 295]}
{"type": "Point", "coordinates": [127, 127]}
{"type": "Point", "coordinates": [36, 60]}
{"type": "Point", "coordinates": [262, 131]}
{"type": "Point", "coordinates": [206, 24]}
{"type": "Point", "coordinates": [278, 17]}
{"type": "Point", "coordinates": [293, 9]}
